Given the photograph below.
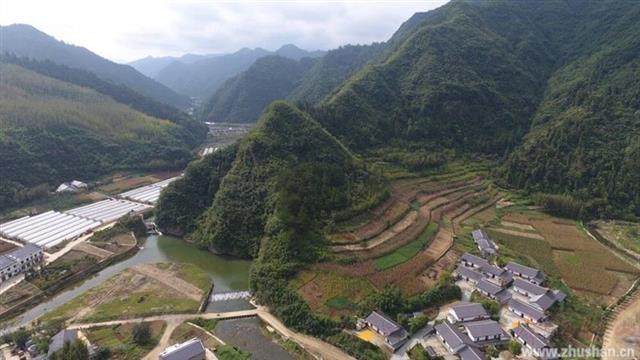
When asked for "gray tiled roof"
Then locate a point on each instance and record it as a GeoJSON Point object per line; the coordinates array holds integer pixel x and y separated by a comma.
{"type": "Point", "coordinates": [559, 295]}
{"type": "Point", "coordinates": [525, 270]}
{"type": "Point", "coordinates": [483, 328]}
{"type": "Point", "coordinates": [526, 309]}
{"type": "Point", "coordinates": [544, 301]}
{"type": "Point", "coordinates": [25, 251]}
{"type": "Point", "coordinates": [468, 273]}
{"type": "Point", "coordinates": [497, 271]}
{"type": "Point", "coordinates": [489, 287]}
{"type": "Point", "coordinates": [6, 261]}
{"type": "Point", "coordinates": [59, 339]}
{"type": "Point", "coordinates": [529, 287]}
{"type": "Point", "coordinates": [471, 353]}
{"type": "Point", "coordinates": [186, 350]}
{"type": "Point", "coordinates": [453, 337]}
{"type": "Point", "coordinates": [479, 234]}
{"type": "Point", "coordinates": [534, 340]}
{"type": "Point", "coordinates": [469, 310]}
{"type": "Point", "coordinates": [385, 325]}
{"type": "Point", "coordinates": [476, 260]}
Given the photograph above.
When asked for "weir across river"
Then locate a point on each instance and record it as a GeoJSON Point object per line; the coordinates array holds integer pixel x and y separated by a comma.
{"type": "Point", "coordinates": [229, 295]}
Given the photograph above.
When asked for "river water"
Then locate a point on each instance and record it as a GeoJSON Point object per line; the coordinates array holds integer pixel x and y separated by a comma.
{"type": "Point", "coordinates": [226, 273]}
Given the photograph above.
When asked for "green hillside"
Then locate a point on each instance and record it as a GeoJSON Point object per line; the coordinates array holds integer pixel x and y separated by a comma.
{"type": "Point", "coordinates": [27, 41]}
{"type": "Point", "coordinates": [242, 98]}
{"type": "Point", "coordinates": [331, 70]}
{"type": "Point", "coordinates": [52, 131]}
{"type": "Point", "coordinates": [585, 137]}
{"type": "Point", "coordinates": [286, 149]}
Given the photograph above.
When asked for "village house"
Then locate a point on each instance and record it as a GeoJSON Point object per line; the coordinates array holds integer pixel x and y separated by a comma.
{"type": "Point", "coordinates": [467, 274]}
{"type": "Point", "coordinates": [59, 339]}
{"type": "Point", "coordinates": [493, 291]}
{"type": "Point", "coordinates": [497, 275]}
{"type": "Point", "coordinates": [22, 259]}
{"type": "Point", "coordinates": [485, 332]}
{"type": "Point", "coordinates": [465, 311]}
{"type": "Point", "coordinates": [458, 343]}
{"type": "Point", "coordinates": [73, 186]}
{"type": "Point", "coordinates": [533, 275]}
{"type": "Point", "coordinates": [540, 297]}
{"type": "Point", "coordinates": [188, 350]}
{"type": "Point", "coordinates": [473, 261]}
{"type": "Point", "coordinates": [535, 343]}
{"type": "Point", "coordinates": [526, 311]}
{"type": "Point", "coordinates": [486, 246]}
{"type": "Point", "coordinates": [394, 334]}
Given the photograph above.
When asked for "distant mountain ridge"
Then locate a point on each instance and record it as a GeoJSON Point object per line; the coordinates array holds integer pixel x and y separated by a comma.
{"type": "Point", "coordinates": [201, 78]}
{"type": "Point", "coordinates": [27, 41]}
{"type": "Point", "coordinates": [244, 97]}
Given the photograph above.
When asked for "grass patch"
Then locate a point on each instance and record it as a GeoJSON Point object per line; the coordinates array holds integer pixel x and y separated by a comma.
{"type": "Point", "coordinates": [228, 352]}
{"type": "Point", "coordinates": [340, 303]}
{"type": "Point", "coordinates": [408, 251]}
{"type": "Point", "coordinates": [119, 339]}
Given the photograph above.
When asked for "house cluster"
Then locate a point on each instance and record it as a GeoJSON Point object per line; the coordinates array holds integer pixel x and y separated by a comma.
{"type": "Point", "coordinates": [20, 260]}
{"type": "Point", "coordinates": [517, 287]}
{"type": "Point", "coordinates": [393, 333]}
{"type": "Point", "coordinates": [469, 328]}
{"type": "Point", "coordinates": [73, 186]}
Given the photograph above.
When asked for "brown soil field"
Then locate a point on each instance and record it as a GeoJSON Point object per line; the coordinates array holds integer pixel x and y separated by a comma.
{"type": "Point", "coordinates": [16, 294]}
{"type": "Point", "coordinates": [6, 247]}
{"type": "Point", "coordinates": [511, 224]}
{"type": "Point", "coordinates": [525, 234]}
{"type": "Point", "coordinates": [623, 332]}
{"type": "Point", "coordinates": [461, 218]}
{"type": "Point", "coordinates": [120, 184]}
{"type": "Point", "coordinates": [93, 250]}
{"type": "Point", "coordinates": [170, 280]}
{"type": "Point", "coordinates": [394, 208]}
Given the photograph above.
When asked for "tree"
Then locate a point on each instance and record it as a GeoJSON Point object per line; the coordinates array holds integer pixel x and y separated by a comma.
{"type": "Point", "coordinates": [20, 337]}
{"type": "Point", "coordinates": [75, 350]}
{"type": "Point", "coordinates": [102, 353]}
{"type": "Point", "coordinates": [141, 334]}
{"type": "Point", "coordinates": [515, 347]}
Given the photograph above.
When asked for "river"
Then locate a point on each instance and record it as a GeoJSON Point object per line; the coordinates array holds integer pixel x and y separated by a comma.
{"type": "Point", "coordinates": [226, 273]}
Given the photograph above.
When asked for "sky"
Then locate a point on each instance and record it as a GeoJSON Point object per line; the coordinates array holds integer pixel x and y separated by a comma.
{"type": "Point", "coordinates": [128, 30]}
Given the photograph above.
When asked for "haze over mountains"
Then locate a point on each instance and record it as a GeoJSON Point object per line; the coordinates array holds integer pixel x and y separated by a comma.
{"type": "Point", "coordinates": [199, 76]}
{"type": "Point", "coordinates": [27, 41]}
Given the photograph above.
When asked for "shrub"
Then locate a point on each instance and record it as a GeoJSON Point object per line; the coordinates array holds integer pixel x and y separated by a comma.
{"type": "Point", "coordinates": [141, 334]}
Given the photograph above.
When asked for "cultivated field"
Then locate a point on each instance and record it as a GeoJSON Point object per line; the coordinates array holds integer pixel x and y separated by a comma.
{"type": "Point", "coordinates": [563, 248]}
{"type": "Point", "coordinates": [143, 290]}
{"type": "Point", "coordinates": [621, 233]}
{"type": "Point", "coordinates": [119, 339]}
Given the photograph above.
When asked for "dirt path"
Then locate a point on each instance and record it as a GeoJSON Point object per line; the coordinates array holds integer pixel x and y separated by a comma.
{"type": "Point", "coordinates": [519, 233]}
{"type": "Point", "coordinates": [623, 332]}
{"type": "Point", "coordinates": [164, 340]}
{"type": "Point", "coordinates": [93, 250]}
{"type": "Point", "coordinates": [169, 280]}
{"type": "Point", "coordinates": [317, 347]}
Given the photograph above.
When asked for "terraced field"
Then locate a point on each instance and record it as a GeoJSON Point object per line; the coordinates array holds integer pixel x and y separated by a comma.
{"type": "Point", "coordinates": [563, 248]}
{"type": "Point", "coordinates": [411, 250]}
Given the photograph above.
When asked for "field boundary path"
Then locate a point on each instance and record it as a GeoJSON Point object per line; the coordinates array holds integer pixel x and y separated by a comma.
{"type": "Point", "coordinates": [316, 347]}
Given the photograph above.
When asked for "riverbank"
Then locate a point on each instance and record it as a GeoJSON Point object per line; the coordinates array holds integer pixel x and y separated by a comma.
{"type": "Point", "coordinates": [226, 273]}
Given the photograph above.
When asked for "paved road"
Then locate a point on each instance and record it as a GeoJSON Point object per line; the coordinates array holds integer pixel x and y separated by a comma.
{"type": "Point", "coordinates": [318, 348]}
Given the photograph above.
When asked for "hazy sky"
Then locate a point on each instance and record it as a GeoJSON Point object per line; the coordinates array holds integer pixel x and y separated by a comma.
{"type": "Point", "coordinates": [127, 30]}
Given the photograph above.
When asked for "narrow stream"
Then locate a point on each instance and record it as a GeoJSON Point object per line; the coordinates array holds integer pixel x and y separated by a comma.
{"type": "Point", "coordinates": [226, 273]}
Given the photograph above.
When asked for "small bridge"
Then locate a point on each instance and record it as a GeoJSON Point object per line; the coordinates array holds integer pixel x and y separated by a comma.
{"type": "Point", "coordinates": [229, 295]}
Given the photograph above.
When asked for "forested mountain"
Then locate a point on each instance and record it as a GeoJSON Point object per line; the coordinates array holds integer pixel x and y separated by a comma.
{"type": "Point", "coordinates": [585, 137]}
{"type": "Point", "coordinates": [286, 149]}
{"type": "Point", "coordinates": [196, 131]}
{"type": "Point", "coordinates": [52, 131]}
{"type": "Point", "coordinates": [332, 69]}
{"type": "Point", "coordinates": [244, 97]}
{"type": "Point", "coordinates": [200, 79]}
{"type": "Point", "coordinates": [27, 41]}
{"type": "Point", "coordinates": [151, 66]}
